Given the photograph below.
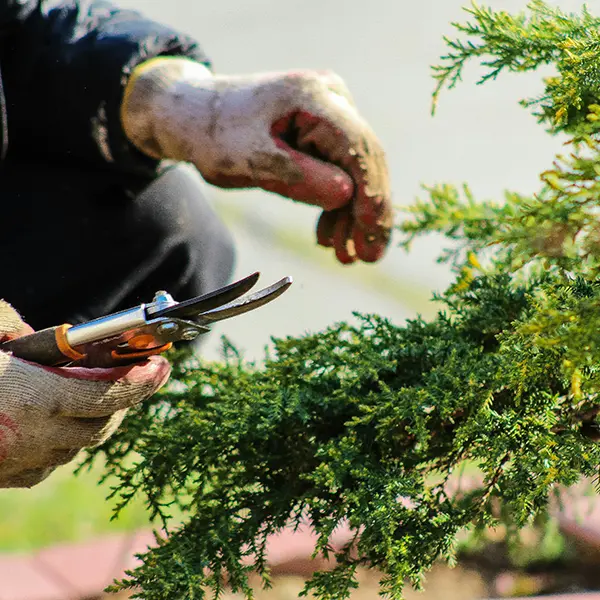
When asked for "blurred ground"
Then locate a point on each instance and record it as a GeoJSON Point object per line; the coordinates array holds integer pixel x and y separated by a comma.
{"type": "Point", "coordinates": [442, 583]}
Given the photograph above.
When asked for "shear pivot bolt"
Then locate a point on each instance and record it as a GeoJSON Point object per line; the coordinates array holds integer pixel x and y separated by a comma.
{"type": "Point", "coordinates": [189, 334]}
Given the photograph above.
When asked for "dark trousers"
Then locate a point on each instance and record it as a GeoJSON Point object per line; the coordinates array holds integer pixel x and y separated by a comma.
{"type": "Point", "coordinates": [75, 245]}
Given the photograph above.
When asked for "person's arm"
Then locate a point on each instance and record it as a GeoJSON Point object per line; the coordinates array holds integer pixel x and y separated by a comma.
{"type": "Point", "coordinates": [296, 133]}
{"type": "Point", "coordinates": [65, 64]}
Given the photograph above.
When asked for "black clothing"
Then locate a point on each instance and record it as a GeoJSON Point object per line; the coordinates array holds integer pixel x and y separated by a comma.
{"type": "Point", "coordinates": [84, 252]}
{"type": "Point", "coordinates": [64, 67]}
{"type": "Point", "coordinates": [78, 240]}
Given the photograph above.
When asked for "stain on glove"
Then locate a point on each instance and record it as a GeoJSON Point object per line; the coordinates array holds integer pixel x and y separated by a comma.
{"type": "Point", "coordinates": [297, 134]}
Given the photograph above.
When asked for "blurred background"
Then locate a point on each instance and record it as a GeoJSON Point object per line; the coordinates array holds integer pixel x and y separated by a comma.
{"type": "Point", "coordinates": [480, 135]}
{"type": "Point", "coordinates": [383, 49]}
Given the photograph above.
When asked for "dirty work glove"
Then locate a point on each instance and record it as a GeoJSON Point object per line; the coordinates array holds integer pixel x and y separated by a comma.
{"type": "Point", "coordinates": [297, 134]}
{"type": "Point", "coordinates": [48, 414]}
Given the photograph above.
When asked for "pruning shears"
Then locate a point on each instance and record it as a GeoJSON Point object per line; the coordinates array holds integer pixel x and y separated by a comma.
{"type": "Point", "coordinates": [135, 334]}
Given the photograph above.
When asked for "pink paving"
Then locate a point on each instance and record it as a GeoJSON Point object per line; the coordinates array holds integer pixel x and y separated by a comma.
{"type": "Point", "coordinates": [80, 571]}
{"type": "Point", "coordinates": [70, 571]}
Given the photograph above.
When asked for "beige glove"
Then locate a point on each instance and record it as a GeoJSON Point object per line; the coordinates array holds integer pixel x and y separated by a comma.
{"type": "Point", "coordinates": [297, 134]}
{"type": "Point", "coordinates": [48, 414]}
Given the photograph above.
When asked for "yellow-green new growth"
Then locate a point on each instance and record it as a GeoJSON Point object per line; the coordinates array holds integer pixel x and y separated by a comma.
{"type": "Point", "coordinates": [540, 35]}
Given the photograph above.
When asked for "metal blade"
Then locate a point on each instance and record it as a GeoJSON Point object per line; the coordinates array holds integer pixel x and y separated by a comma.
{"type": "Point", "coordinates": [190, 309]}
{"type": "Point", "coordinates": [245, 304]}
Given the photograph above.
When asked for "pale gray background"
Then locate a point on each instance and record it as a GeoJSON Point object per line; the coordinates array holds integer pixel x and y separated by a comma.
{"type": "Point", "coordinates": [383, 49]}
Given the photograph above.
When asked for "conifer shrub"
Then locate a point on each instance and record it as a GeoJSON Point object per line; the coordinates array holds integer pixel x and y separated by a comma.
{"type": "Point", "coordinates": [365, 422]}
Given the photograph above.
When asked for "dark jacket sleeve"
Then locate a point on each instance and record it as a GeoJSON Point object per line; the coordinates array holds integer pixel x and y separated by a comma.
{"type": "Point", "coordinates": [64, 68]}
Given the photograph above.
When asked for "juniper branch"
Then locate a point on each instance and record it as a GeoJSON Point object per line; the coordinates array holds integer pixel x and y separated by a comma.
{"type": "Point", "coordinates": [365, 422]}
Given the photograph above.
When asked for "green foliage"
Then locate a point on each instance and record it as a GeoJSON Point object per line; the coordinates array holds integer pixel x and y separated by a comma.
{"type": "Point", "coordinates": [364, 423]}
{"type": "Point", "coordinates": [542, 35]}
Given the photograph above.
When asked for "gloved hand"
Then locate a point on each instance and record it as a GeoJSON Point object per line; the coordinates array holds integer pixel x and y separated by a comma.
{"type": "Point", "coordinates": [48, 414]}
{"type": "Point", "coordinates": [297, 134]}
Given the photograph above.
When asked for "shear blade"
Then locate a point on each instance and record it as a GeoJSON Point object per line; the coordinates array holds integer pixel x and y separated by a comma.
{"type": "Point", "coordinates": [245, 304]}
{"type": "Point", "coordinates": [191, 309]}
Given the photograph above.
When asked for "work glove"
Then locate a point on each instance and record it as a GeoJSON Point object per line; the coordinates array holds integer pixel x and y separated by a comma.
{"type": "Point", "coordinates": [48, 414]}
{"type": "Point", "coordinates": [297, 134]}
